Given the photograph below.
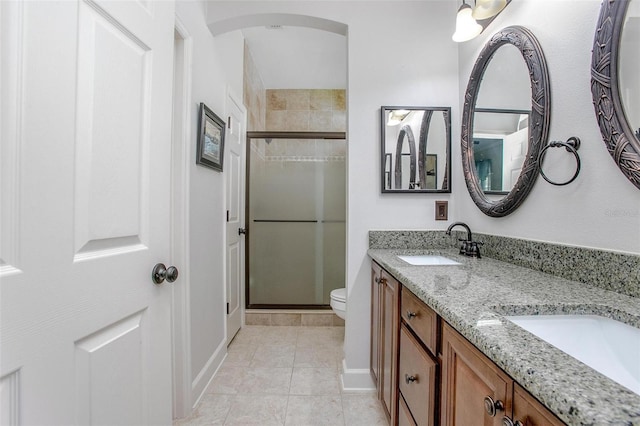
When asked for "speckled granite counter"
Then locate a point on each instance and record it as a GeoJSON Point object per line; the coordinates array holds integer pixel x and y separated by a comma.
{"type": "Point", "coordinates": [474, 296]}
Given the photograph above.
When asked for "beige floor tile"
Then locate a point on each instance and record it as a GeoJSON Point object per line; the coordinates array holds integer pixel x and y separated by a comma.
{"type": "Point", "coordinates": [226, 380]}
{"type": "Point", "coordinates": [320, 336]}
{"type": "Point", "coordinates": [274, 356]}
{"type": "Point", "coordinates": [315, 381]}
{"type": "Point", "coordinates": [312, 356]}
{"type": "Point", "coordinates": [240, 355]}
{"type": "Point", "coordinates": [263, 410]}
{"type": "Point", "coordinates": [274, 374]}
{"type": "Point", "coordinates": [314, 410]}
{"type": "Point", "coordinates": [212, 410]}
{"type": "Point", "coordinates": [363, 410]}
{"type": "Point", "coordinates": [279, 335]}
{"type": "Point", "coordinates": [266, 381]}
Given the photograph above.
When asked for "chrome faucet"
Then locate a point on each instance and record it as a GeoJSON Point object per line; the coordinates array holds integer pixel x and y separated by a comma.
{"type": "Point", "coordinates": [468, 247]}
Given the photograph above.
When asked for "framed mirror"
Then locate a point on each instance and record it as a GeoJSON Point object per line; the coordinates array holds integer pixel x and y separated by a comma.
{"type": "Point", "coordinates": [615, 83]}
{"type": "Point", "coordinates": [415, 149]}
{"type": "Point", "coordinates": [505, 121]}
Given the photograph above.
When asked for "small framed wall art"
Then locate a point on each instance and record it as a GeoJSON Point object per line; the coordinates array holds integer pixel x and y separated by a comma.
{"type": "Point", "coordinates": [211, 128]}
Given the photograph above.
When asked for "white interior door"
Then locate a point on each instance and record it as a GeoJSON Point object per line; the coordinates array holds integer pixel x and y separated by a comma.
{"type": "Point", "coordinates": [514, 152]}
{"type": "Point", "coordinates": [86, 127]}
{"type": "Point", "coordinates": [235, 173]}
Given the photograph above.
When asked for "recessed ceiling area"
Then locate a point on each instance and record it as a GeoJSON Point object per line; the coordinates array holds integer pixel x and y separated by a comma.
{"type": "Point", "coordinates": [290, 57]}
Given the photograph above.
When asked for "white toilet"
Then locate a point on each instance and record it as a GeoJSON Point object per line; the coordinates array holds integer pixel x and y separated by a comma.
{"type": "Point", "coordinates": [339, 302]}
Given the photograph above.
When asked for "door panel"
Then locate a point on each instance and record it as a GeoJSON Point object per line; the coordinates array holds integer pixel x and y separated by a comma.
{"type": "Point", "coordinates": [84, 333]}
{"type": "Point", "coordinates": [234, 171]}
{"type": "Point", "coordinates": [101, 399]}
{"type": "Point", "coordinates": [112, 129]}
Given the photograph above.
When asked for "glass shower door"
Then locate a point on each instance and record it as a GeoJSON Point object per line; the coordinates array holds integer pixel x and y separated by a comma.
{"type": "Point", "coordinates": [296, 210]}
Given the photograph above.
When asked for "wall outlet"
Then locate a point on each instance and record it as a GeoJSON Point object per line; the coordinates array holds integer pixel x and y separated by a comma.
{"type": "Point", "coordinates": [442, 210]}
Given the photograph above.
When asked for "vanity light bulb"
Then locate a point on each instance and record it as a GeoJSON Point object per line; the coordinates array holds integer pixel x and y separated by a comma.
{"type": "Point", "coordinates": [466, 27]}
{"type": "Point", "coordinates": [486, 9]}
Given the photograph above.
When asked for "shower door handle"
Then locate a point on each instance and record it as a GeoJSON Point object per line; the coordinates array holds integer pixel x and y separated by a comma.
{"type": "Point", "coordinates": [242, 231]}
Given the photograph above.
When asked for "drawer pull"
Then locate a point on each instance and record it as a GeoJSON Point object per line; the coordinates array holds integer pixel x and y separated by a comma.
{"type": "Point", "coordinates": [506, 421]}
{"type": "Point", "coordinates": [491, 406]}
{"type": "Point", "coordinates": [410, 379]}
{"type": "Point", "coordinates": [411, 315]}
{"type": "Point", "coordinates": [377, 280]}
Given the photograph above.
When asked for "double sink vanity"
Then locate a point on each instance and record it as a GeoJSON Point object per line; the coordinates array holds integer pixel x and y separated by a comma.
{"type": "Point", "coordinates": [468, 341]}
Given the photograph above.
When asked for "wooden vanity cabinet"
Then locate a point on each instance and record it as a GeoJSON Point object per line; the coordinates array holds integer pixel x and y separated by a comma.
{"type": "Point", "coordinates": [426, 373]}
{"type": "Point", "coordinates": [475, 391]}
{"type": "Point", "coordinates": [528, 411]}
{"type": "Point", "coordinates": [417, 378]}
{"type": "Point", "coordinates": [404, 415]}
{"type": "Point", "coordinates": [385, 299]}
{"type": "Point", "coordinates": [375, 358]}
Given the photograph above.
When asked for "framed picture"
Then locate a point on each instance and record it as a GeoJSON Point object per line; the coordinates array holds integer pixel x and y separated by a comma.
{"type": "Point", "coordinates": [210, 139]}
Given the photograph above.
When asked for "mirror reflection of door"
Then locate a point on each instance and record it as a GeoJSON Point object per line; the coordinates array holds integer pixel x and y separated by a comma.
{"type": "Point", "coordinates": [500, 145]}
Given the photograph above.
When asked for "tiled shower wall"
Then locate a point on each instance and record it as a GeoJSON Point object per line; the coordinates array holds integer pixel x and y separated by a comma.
{"type": "Point", "coordinates": [319, 110]}
{"type": "Point", "coordinates": [254, 94]}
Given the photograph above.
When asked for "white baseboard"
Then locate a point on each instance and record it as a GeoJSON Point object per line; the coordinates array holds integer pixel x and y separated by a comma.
{"type": "Point", "coordinates": [204, 377]}
{"type": "Point", "coordinates": [356, 379]}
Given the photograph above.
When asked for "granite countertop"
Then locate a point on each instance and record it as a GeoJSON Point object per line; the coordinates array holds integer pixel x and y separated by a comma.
{"type": "Point", "coordinates": [474, 296]}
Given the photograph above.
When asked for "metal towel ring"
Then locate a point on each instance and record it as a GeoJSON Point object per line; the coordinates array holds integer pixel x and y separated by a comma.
{"type": "Point", "coordinates": [572, 144]}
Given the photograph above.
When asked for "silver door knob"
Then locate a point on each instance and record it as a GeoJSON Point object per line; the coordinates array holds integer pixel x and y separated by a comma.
{"type": "Point", "coordinates": [242, 231]}
{"type": "Point", "coordinates": [161, 272]}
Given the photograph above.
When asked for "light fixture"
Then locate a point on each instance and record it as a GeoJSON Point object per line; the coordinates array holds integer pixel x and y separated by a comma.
{"type": "Point", "coordinates": [396, 116]}
{"type": "Point", "coordinates": [466, 27]}
{"type": "Point", "coordinates": [486, 9]}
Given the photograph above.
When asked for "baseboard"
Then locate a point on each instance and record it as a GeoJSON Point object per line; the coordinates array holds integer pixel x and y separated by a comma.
{"type": "Point", "coordinates": [204, 377]}
{"type": "Point", "coordinates": [356, 379]}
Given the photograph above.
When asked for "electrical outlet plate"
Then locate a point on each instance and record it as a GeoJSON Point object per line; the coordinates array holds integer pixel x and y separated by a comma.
{"type": "Point", "coordinates": [442, 210]}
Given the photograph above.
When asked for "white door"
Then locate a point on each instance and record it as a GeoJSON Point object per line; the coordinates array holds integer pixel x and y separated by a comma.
{"type": "Point", "coordinates": [86, 127]}
{"type": "Point", "coordinates": [514, 152]}
{"type": "Point", "coordinates": [235, 172]}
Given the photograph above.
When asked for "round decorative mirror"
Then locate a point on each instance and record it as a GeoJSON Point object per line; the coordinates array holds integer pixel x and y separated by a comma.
{"type": "Point", "coordinates": [615, 83]}
{"type": "Point", "coordinates": [505, 121]}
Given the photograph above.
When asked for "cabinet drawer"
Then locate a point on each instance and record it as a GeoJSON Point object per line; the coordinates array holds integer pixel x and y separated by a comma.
{"type": "Point", "coordinates": [404, 416]}
{"type": "Point", "coordinates": [421, 319]}
{"type": "Point", "coordinates": [529, 411]}
{"type": "Point", "coordinates": [417, 379]}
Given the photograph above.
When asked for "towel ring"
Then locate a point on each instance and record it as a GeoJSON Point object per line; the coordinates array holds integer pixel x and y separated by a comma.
{"type": "Point", "coordinates": [571, 145]}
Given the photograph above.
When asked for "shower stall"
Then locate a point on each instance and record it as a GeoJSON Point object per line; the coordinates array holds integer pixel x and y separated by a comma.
{"type": "Point", "coordinates": [296, 209]}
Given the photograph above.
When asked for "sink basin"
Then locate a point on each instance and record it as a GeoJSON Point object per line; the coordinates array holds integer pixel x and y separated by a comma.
{"type": "Point", "coordinates": [608, 346]}
{"type": "Point", "coordinates": [428, 260]}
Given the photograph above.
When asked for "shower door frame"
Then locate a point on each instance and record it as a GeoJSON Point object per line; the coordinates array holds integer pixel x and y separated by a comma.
{"type": "Point", "coordinates": [275, 135]}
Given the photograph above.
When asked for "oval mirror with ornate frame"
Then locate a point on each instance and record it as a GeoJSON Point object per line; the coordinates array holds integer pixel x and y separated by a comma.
{"type": "Point", "coordinates": [538, 120]}
{"type": "Point", "coordinates": [606, 66]}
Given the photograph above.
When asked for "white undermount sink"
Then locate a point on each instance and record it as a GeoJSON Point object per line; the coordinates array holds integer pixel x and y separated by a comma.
{"type": "Point", "coordinates": [428, 260]}
{"type": "Point", "coordinates": [608, 346]}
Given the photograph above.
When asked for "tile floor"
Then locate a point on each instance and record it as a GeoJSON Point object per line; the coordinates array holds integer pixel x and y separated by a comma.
{"type": "Point", "coordinates": [281, 375]}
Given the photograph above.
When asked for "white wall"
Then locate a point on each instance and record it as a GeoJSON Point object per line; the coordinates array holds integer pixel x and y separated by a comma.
{"type": "Point", "coordinates": [216, 64]}
{"type": "Point", "coordinates": [381, 71]}
{"type": "Point", "coordinates": [601, 208]}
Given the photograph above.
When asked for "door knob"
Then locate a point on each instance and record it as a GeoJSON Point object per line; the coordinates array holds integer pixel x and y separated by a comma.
{"type": "Point", "coordinates": [491, 406]}
{"type": "Point", "coordinates": [242, 231]}
{"type": "Point", "coordinates": [161, 272]}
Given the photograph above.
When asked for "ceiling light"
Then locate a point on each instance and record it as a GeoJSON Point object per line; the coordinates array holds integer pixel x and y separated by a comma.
{"type": "Point", "coordinates": [396, 116]}
{"type": "Point", "coordinates": [486, 9]}
{"type": "Point", "coordinates": [466, 27]}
